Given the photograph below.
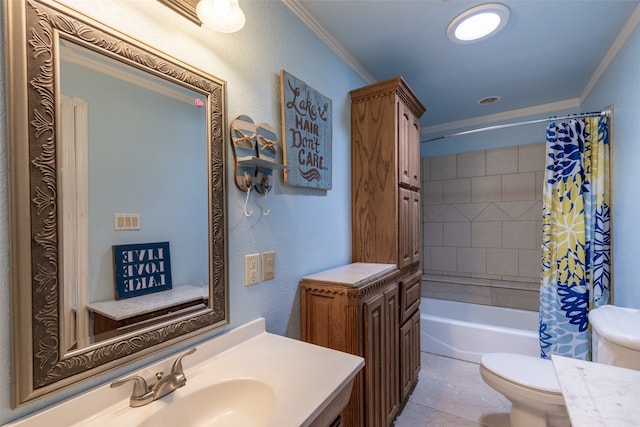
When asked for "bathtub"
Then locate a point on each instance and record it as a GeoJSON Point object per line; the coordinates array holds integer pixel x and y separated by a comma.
{"type": "Point", "coordinates": [467, 331]}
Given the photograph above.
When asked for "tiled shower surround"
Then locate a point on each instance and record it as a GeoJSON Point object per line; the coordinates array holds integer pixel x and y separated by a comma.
{"type": "Point", "coordinates": [482, 225]}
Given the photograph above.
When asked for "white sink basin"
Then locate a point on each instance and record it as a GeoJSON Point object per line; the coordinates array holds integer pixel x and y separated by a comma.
{"type": "Point", "coordinates": [236, 402]}
{"type": "Point", "coordinates": [246, 377]}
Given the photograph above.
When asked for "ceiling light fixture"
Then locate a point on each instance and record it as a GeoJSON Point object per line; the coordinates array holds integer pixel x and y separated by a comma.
{"type": "Point", "coordinates": [224, 16]}
{"type": "Point", "coordinates": [478, 23]}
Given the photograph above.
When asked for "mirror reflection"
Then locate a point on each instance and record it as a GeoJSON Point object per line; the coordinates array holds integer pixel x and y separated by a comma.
{"type": "Point", "coordinates": [134, 171]}
{"type": "Point", "coordinates": [117, 198]}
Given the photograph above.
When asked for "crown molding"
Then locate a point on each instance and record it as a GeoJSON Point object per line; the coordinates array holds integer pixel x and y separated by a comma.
{"type": "Point", "coordinates": [624, 34]}
{"type": "Point", "coordinates": [329, 39]}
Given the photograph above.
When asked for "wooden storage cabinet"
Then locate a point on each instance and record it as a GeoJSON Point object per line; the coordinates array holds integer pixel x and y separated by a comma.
{"type": "Point", "coordinates": [386, 218]}
{"type": "Point", "coordinates": [385, 168]}
{"type": "Point", "coordinates": [356, 309]}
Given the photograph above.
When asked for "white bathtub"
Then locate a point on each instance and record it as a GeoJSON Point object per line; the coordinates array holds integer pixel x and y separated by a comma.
{"type": "Point", "coordinates": [467, 331]}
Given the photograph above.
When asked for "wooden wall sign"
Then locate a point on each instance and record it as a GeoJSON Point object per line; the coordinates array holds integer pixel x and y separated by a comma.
{"type": "Point", "coordinates": [141, 269]}
{"type": "Point", "coordinates": [306, 134]}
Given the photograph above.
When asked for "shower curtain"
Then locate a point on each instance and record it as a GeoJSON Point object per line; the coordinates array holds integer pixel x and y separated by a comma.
{"type": "Point", "coordinates": [576, 238]}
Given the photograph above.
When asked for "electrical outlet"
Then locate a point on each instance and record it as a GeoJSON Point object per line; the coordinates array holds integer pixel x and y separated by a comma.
{"type": "Point", "coordinates": [251, 269]}
{"type": "Point", "coordinates": [268, 265]}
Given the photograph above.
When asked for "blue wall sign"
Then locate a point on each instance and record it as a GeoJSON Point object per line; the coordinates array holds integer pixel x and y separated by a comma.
{"type": "Point", "coordinates": [306, 133]}
{"type": "Point", "coordinates": [141, 269]}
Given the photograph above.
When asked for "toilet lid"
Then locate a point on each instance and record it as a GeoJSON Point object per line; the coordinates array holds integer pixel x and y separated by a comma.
{"type": "Point", "coordinates": [528, 371]}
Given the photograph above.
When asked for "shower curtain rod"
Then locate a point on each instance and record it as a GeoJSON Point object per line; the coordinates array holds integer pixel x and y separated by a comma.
{"type": "Point", "coordinates": [604, 112]}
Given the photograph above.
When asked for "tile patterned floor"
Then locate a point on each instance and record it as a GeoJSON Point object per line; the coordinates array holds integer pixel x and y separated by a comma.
{"type": "Point", "coordinates": [451, 393]}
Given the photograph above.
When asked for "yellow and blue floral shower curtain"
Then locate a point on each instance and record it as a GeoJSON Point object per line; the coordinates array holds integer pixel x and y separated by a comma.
{"type": "Point", "coordinates": [576, 238]}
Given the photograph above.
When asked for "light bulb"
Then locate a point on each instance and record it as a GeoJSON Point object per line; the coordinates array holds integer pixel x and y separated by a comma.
{"type": "Point", "coordinates": [224, 16]}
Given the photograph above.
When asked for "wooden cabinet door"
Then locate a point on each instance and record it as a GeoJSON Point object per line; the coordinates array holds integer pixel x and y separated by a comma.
{"type": "Point", "coordinates": [409, 354]}
{"type": "Point", "coordinates": [382, 366]}
{"type": "Point", "coordinates": [374, 331]}
{"type": "Point", "coordinates": [408, 147]}
{"type": "Point", "coordinates": [415, 233]}
{"type": "Point", "coordinates": [392, 357]}
{"type": "Point", "coordinates": [405, 239]}
{"type": "Point", "coordinates": [414, 152]}
{"type": "Point", "coordinates": [409, 229]}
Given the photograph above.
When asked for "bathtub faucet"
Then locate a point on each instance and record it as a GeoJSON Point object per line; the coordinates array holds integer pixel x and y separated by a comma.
{"type": "Point", "coordinates": [143, 394]}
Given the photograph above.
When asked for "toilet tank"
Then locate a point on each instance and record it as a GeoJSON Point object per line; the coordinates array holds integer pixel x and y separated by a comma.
{"type": "Point", "coordinates": [616, 336]}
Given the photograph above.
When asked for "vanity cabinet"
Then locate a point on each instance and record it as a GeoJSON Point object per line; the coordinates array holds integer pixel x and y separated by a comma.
{"type": "Point", "coordinates": [356, 309]}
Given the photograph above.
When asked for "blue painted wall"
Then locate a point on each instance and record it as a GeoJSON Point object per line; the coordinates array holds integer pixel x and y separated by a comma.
{"type": "Point", "coordinates": [310, 230]}
{"type": "Point", "coordinates": [152, 163]}
{"type": "Point", "coordinates": [620, 86]}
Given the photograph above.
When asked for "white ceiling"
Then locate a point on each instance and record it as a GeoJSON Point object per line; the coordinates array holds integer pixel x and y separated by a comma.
{"type": "Point", "coordinates": [549, 51]}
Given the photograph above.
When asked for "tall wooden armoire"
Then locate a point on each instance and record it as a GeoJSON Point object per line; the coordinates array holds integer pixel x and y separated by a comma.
{"type": "Point", "coordinates": [386, 208]}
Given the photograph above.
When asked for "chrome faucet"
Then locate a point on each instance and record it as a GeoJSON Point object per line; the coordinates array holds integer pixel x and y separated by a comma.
{"type": "Point", "coordinates": [143, 394]}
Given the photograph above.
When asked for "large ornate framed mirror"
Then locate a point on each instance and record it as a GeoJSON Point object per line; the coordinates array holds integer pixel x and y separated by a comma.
{"type": "Point", "coordinates": [105, 132]}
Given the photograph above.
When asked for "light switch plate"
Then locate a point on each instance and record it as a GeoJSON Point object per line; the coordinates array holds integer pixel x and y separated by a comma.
{"type": "Point", "coordinates": [251, 269]}
{"type": "Point", "coordinates": [126, 221]}
{"type": "Point", "coordinates": [268, 265]}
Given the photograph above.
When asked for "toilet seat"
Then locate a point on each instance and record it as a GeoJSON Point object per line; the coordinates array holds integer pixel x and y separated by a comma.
{"type": "Point", "coordinates": [525, 371]}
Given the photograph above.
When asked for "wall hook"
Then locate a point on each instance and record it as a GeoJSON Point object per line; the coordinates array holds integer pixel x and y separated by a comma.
{"type": "Point", "coordinates": [246, 201]}
{"type": "Point", "coordinates": [268, 211]}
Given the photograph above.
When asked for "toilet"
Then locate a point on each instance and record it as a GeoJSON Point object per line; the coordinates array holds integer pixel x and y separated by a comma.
{"type": "Point", "coordinates": [530, 383]}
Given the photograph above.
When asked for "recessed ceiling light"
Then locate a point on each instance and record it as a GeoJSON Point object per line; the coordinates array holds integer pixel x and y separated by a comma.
{"type": "Point", "coordinates": [478, 23]}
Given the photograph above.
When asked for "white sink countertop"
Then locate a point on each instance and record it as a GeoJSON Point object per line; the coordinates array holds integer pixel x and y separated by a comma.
{"type": "Point", "coordinates": [598, 395]}
{"type": "Point", "coordinates": [303, 377]}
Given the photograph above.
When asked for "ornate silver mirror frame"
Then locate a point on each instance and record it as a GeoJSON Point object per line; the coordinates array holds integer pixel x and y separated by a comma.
{"type": "Point", "coordinates": [32, 29]}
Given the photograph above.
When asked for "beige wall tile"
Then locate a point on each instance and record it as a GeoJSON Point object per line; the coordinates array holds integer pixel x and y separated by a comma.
{"type": "Point", "coordinates": [515, 298]}
{"type": "Point", "coordinates": [486, 189]}
{"type": "Point", "coordinates": [502, 160]}
{"type": "Point", "coordinates": [456, 191]}
{"type": "Point", "coordinates": [426, 258]}
{"type": "Point", "coordinates": [485, 227]}
{"type": "Point", "coordinates": [486, 234]}
{"type": "Point", "coordinates": [443, 167]}
{"type": "Point", "coordinates": [451, 214]}
{"type": "Point", "coordinates": [457, 234]}
{"type": "Point", "coordinates": [539, 185]}
{"type": "Point", "coordinates": [443, 259]}
{"type": "Point", "coordinates": [457, 292]}
{"type": "Point", "coordinates": [519, 235]}
{"type": "Point", "coordinates": [472, 260]}
{"type": "Point", "coordinates": [520, 186]}
{"type": "Point", "coordinates": [531, 157]}
{"type": "Point", "coordinates": [425, 168]}
{"type": "Point", "coordinates": [529, 263]}
{"type": "Point", "coordinates": [516, 209]}
{"type": "Point", "coordinates": [433, 234]}
{"type": "Point", "coordinates": [432, 193]}
{"type": "Point", "coordinates": [471, 164]}
{"type": "Point", "coordinates": [471, 210]}
{"type": "Point", "coordinates": [492, 213]}
{"type": "Point", "coordinates": [502, 262]}
{"type": "Point", "coordinates": [534, 213]}
{"type": "Point", "coordinates": [432, 212]}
